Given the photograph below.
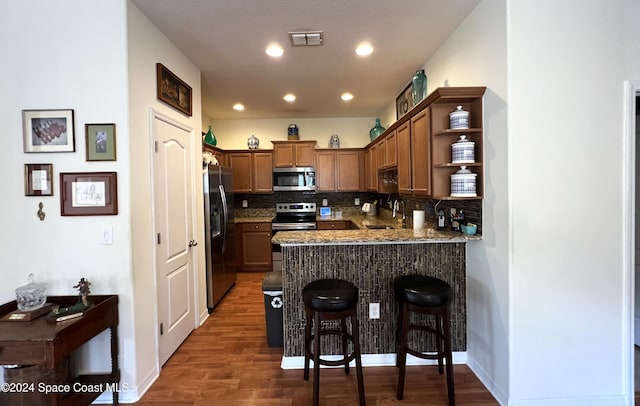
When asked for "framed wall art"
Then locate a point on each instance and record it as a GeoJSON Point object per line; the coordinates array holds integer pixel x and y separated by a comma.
{"type": "Point", "coordinates": [38, 180]}
{"type": "Point", "coordinates": [173, 91]}
{"type": "Point", "coordinates": [100, 140]}
{"type": "Point", "coordinates": [88, 194]}
{"type": "Point", "coordinates": [404, 101]}
{"type": "Point", "coordinates": [48, 130]}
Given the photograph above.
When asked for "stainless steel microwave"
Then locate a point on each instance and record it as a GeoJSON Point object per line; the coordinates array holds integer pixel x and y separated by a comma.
{"type": "Point", "coordinates": [294, 179]}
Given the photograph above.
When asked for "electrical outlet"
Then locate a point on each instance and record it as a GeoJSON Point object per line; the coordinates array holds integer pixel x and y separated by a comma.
{"type": "Point", "coordinates": [356, 202]}
{"type": "Point", "coordinates": [245, 203]}
{"type": "Point", "coordinates": [374, 310]}
{"type": "Point", "coordinates": [325, 202]}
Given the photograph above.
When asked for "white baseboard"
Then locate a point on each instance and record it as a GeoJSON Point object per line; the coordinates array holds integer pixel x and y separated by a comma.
{"type": "Point", "coordinates": [129, 394]}
{"type": "Point", "coordinates": [488, 383]}
{"type": "Point", "coordinates": [372, 360]}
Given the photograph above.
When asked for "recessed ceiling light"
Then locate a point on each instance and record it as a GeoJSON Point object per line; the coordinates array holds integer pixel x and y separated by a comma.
{"type": "Point", "coordinates": [290, 97]}
{"type": "Point", "coordinates": [274, 50]}
{"type": "Point", "coordinates": [346, 96]}
{"type": "Point", "coordinates": [238, 106]}
{"type": "Point", "coordinates": [364, 49]}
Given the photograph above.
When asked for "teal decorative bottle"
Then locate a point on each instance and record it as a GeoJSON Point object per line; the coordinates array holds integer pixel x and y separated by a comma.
{"type": "Point", "coordinates": [418, 87]}
{"type": "Point", "coordinates": [210, 138]}
{"type": "Point", "coordinates": [376, 130]}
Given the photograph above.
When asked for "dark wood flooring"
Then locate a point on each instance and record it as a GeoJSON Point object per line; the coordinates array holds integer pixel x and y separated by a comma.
{"type": "Point", "coordinates": [227, 362]}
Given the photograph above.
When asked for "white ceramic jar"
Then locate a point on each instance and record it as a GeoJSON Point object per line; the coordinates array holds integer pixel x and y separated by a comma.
{"type": "Point", "coordinates": [463, 151]}
{"type": "Point", "coordinates": [463, 183]}
{"type": "Point", "coordinates": [459, 119]}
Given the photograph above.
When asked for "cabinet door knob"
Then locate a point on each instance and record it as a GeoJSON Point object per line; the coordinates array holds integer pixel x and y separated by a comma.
{"type": "Point", "coordinates": [257, 227]}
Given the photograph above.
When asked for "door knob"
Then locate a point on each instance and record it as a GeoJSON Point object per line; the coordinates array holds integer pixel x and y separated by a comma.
{"type": "Point", "coordinates": [192, 243]}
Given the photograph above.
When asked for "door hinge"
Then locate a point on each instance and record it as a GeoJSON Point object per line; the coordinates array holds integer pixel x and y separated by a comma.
{"type": "Point", "coordinates": [159, 240]}
{"type": "Point", "coordinates": [161, 329]}
{"type": "Point", "coordinates": [155, 146]}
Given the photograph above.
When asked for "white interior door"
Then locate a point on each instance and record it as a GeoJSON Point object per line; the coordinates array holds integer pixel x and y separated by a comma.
{"type": "Point", "coordinates": [173, 178]}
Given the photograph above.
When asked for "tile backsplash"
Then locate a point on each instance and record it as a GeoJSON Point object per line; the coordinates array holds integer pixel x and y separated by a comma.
{"type": "Point", "coordinates": [265, 203]}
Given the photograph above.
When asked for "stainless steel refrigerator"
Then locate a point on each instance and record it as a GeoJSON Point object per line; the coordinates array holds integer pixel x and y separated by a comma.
{"type": "Point", "coordinates": [219, 233]}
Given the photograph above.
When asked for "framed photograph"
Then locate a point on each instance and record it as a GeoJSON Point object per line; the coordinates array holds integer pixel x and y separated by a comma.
{"type": "Point", "coordinates": [172, 90]}
{"type": "Point", "coordinates": [48, 131]}
{"type": "Point", "coordinates": [404, 101]}
{"type": "Point", "coordinates": [100, 142]}
{"type": "Point", "coordinates": [38, 180]}
{"type": "Point", "coordinates": [88, 194]}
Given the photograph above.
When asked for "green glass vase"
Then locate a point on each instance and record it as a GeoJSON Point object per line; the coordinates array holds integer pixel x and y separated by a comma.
{"type": "Point", "coordinates": [210, 138]}
{"type": "Point", "coordinates": [418, 87]}
{"type": "Point", "coordinates": [376, 130]}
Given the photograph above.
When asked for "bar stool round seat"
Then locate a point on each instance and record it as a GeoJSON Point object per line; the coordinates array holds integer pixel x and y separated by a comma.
{"type": "Point", "coordinates": [425, 295]}
{"type": "Point", "coordinates": [331, 299]}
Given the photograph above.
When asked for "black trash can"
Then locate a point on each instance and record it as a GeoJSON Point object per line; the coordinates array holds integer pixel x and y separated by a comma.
{"type": "Point", "coordinates": [272, 290]}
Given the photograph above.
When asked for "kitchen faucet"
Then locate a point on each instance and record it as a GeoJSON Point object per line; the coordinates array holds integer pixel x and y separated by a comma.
{"type": "Point", "coordinates": [396, 207]}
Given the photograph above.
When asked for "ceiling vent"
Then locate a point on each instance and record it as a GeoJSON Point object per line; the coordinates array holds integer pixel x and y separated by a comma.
{"type": "Point", "coordinates": [309, 38]}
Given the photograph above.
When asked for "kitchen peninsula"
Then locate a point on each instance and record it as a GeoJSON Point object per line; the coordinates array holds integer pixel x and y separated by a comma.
{"type": "Point", "coordinates": [370, 258]}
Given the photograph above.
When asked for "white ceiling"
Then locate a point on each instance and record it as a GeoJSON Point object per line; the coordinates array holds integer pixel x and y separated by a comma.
{"type": "Point", "coordinates": [226, 39]}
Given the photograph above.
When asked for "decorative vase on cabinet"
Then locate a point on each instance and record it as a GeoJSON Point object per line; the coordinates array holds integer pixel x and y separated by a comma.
{"type": "Point", "coordinates": [376, 130]}
{"type": "Point", "coordinates": [210, 138]}
{"type": "Point", "coordinates": [418, 86]}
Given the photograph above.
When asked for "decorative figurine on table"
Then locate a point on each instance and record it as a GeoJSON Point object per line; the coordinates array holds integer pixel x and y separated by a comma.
{"type": "Point", "coordinates": [83, 291]}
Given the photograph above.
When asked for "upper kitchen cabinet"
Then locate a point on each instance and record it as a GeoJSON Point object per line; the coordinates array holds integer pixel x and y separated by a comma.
{"type": "Point", "coordinates": [252, 171]}
{"type": "Point", "coordinates": [423, 139]}
{"type": "Point", "coordinates": [442, 138]}
{"type": "Point", "coordinates": [414, 167]}
{"type": "Point", "coordinates": [340, 170]}
{"type": "Point", "coordinates": [288, 154]}
{"type": "Point", "coordinates": [217, 153]}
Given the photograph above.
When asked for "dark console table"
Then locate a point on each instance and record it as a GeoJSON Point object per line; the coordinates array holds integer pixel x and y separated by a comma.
{"type": "Point", "coordinates": [47, 346]}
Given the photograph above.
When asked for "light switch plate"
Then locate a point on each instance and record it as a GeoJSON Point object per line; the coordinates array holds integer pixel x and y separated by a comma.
{"type": "Point", "coordinates": [356, 202]}
{"type": "Point", "coordinates": [245, 203]}
{"type": "Point", "coordinates": [325, 202]}
{"type": "Point", "coordinates": [107, 235]}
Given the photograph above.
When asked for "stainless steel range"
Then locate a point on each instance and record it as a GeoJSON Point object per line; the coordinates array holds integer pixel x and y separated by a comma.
{"type": "Point", "coordinates": [291, 217]}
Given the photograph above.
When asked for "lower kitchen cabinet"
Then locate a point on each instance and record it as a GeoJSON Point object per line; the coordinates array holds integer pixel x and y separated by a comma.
{"type": "Point", "coordinates": [333, 225]}
{"type": "Point", "coordinates": [255, 247]}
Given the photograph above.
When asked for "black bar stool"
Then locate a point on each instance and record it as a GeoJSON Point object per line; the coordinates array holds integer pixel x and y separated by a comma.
{"type": "Point", "coordinates": [425, 295]}
{"type": "Point", "coordinates": [331, 299]}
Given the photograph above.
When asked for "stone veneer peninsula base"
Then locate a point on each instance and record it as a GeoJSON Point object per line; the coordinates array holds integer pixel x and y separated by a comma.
{"type": "Point", "coordinates": [372, 268]}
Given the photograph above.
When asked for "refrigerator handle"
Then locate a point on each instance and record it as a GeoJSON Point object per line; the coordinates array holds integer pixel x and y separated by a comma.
{"type": "Point", "coordinates": [225, 211]}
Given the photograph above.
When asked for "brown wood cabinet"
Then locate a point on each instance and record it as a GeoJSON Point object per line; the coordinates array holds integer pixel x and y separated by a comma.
{"type": "Point", "coordinates": [252, 171]}
{"type": "Point", "coordinates": [442, 138]}
{"type": "Point", "coordinates": [423, 141]}
{"type": "Point", "coordinates": [217, 153]}
{"type": "Point", "coordinates": [334, 225]}
{"type": "Point", "coordinates": [287, 154]}
{"type": "Point", "coordinates": [255, 246]}
{"type": "Point", "coordinates": [350, 170]}
{"type": "Point", "coordinates": [371, 168]}
{"type": "Point", "coordinates": [325, 171]}
{"type": "Point", "coordinates": [340, 170]}
{"type": "Point", "coordinates": [420, 160]}
{"type": "Point", "coordinates": [391, 150]}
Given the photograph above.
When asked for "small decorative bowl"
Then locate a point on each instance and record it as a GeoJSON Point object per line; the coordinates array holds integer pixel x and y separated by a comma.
{"type": "Point", "coordinates": [469, 229]}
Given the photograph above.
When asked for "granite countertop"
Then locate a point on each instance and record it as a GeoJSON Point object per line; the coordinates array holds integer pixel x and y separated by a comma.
{"type": "Point", "coordinates": [363, 235]}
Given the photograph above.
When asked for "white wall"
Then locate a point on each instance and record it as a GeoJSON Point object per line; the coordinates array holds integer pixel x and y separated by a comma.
{"type": "Point", "coordinates": [64, 68]}
{"type": "Point", "coordinates": [233, 134]}
{"type": "Point", "coordinates": [567, 286]}
{"type": "Point", "coordinates": [146, 46]}
{"type": "Point", "coordinates": [87, 64]}
{"type": "Point", "coordinates": [475, 55]}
